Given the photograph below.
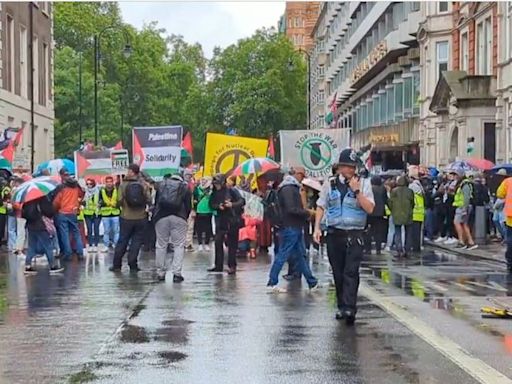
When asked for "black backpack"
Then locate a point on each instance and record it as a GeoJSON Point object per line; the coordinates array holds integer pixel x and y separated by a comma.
{"type": "Point", "coordinates": [272, 208]}
{"type": "Point", "coordinates": [171, 194]}
{"type": "Point", "coordinates": [134, 195]}
{"type": "Point", "coordinates": [31, 212]}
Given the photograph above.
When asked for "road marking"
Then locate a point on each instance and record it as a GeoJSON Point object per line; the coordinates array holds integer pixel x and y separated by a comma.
{"type": "Point", "coordinates": [475, 367]}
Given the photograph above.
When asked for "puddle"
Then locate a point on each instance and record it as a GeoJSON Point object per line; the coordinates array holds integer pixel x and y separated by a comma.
{"type": "Point", "coordinates": [134, 334]}
{"type": "Point", "coordinates": [172, 356]}
{"type": "Point", "coordinates": [177, 335]}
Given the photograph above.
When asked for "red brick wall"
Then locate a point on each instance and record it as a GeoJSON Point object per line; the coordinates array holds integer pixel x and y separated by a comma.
{"type": "Point", "coordinates": [455, 38]}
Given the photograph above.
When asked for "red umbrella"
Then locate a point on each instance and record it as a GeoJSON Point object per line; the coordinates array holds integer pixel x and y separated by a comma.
{"type": "Point", "coordinates": [481, 164]}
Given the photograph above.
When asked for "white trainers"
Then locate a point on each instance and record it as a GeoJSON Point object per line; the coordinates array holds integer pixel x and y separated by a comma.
{"type": "Point", "coordinates": [472, 247]}
{"type": "Point", "coordinates": [103, 248]}
{"type": "Point", "coordinates": [207, 248]}
{"type": "Point", "coordinates": [315, 288]}
{"type": "Point", "coordinates": [451, 241]}
{"type": "Point", "coordinates": [440, 239]}
{"type": "Point", "coordinates": [200, 249]}
{"type": "Point", "coordinates": [275, 289]}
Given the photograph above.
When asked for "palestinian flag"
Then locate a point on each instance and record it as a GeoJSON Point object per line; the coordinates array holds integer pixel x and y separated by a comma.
{"type": "Point", "coordinates": [7, 154]}
{"type": "Point", "coordinates": [95, 164]}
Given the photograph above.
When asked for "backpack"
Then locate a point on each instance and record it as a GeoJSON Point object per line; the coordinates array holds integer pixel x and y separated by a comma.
{"type": "Point", "coordinates": [170, 195]}
{"type": "Point", "coordinates": [272, 208]}
{"type": "Point", "coordinates": [134, 195]}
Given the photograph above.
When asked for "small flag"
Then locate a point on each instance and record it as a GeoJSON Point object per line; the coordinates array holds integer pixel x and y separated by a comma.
{"type": "Point", "coordinates": [119, 145]}
{"type": "Point", "coordinates": [271, 153]}
{"type": "Point", "coordinates": [186, 144]}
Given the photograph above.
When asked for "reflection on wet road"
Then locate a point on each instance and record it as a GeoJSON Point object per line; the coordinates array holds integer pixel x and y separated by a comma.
{"type": "Point", "coordinates": [99, 327]}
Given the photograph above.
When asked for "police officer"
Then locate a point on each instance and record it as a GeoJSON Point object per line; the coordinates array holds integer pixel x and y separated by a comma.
{"type": "Point", "coordinates": [343, 205]}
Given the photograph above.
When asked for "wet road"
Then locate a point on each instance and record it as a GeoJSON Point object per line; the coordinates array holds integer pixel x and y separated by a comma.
{"type": "Point", "coordinates": [92, 326]}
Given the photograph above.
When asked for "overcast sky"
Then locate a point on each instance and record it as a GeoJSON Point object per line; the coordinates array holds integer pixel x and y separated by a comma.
{"type": "Point", "coordinates": [209, 23]}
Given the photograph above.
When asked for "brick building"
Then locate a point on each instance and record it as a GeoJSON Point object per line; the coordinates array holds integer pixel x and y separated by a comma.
{"type": "Point", "coordinates": [298, 22]}
{"type": "Point", "coordinates": [19, 54]}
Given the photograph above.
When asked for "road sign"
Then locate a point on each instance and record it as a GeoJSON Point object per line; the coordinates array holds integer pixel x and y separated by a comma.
{"type": "Point", "coordinates": [120, 161]}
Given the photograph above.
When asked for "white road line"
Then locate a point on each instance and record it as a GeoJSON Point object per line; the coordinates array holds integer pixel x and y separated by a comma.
{"type": "Point", "coordinates": [475, 367]}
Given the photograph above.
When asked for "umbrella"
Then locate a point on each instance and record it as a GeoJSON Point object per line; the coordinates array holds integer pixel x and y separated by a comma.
{"type": "Point", "coordinates": [256, 165]}
{"type": "Point", "coordinates": [460, 164]}
{"type": "Point", "coordinates": [34, 189]}
{"type": "Point", "coordinates": [54, 166]}
{"type": "Point", "coordinates": [507, 167]}
{"type": "Point", "coordinates": [481, 164]}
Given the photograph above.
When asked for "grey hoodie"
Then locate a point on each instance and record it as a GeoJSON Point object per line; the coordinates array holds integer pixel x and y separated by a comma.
{"type": "Point", "coordinates": [294, 214]}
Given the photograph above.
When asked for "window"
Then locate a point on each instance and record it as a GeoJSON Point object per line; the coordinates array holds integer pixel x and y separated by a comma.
{"type": "Point", "coordinates": [376, 109]}
{"type": "Point", "coordinates": [391, 106]}
{"type": "Point", "coordinates": [416, 92]}
{"type": "Point", "coordinates": [442, 57]}
{"type": "Point", "coordinates": [508, 34]}
{"type": "Point", "coordinates": [23, 62]}
{"type": "Point", "coordinates": [408, 95]}
{"type": "Point", "coordinates": [9, 48]}
{"type": "Point", "coordinates": [290, 24]}
{"type": "Point", "coordinates": [464, 52]}
{"type": "Point", "coordinates": [296, 22]}
{"type": "Point", "coordinates": [484, 47]}
{"type": "Point", "coordinates": [370, 113]}
{"type": "Point", "coordinates": [35, 65]}
{"type": "Point", "coordinates": [46, 72]}
{"type": "Point", "coordinates": [442, 6]}
{"type": "Point", "coordinates": [398, 100]}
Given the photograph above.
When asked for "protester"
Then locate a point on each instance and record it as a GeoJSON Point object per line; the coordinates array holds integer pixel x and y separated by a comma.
{"type": "Point", "coordinates": [12, 222]}
{"type": "Point", "coordinates": [440, 213]}
{"type": "Point", "coordinates": [109, 213]}
{"type": "Point", "coordinates": [415, 234]}
{"type": "Point", "coordinates": [499, 219]}
{"type": "Point", "coordinates": [188, 177]}
{"type": "Point", "coordinates": [173, 204]}
{"type": "Point", "coordinates": [247, 236]}
{"type": "Point", "coordinates": [291, 233]}
{"type": "Point", "coordinates": [345, 202]}
{"type": "Point", "coordinates": [66, 203]}
{"type": "Point", "coordinates": [505, 192]}
{"type": "Point", "coordinates": [204, 213]}
{"type": "Point", "coordinates": [377, 222]}
{"type": "Point", "coordinates": [451, 184]}
{"type": "Point", "coordinates": [38, 214]}
{"type": "Point", "coordinates": [401, 204]}
{"type": "Point", "coordinates": [389, 185]}
{"type": "Point", "coordinates": [92, 218]}
{"type": "Point", "coordinates": [133, 198]}
{"type": "Point", "coordinates": [462, 203]}
{"type": "Point", "coordinates": [228, 204]}
{"type": "Point", "coordinates": [5, 193]}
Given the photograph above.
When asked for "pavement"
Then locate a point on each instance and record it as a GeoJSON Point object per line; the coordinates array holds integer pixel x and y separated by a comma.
{"type": "Point", "coordinates": [494, 251]}
{"type": "Point", "coordinates": [418, 322]}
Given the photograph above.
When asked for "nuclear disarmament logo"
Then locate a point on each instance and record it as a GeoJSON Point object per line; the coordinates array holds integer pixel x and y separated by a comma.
{"type": "Point", "coordinates": [228, 157]}
{"type": "Point", "coordinates": [317, 153]}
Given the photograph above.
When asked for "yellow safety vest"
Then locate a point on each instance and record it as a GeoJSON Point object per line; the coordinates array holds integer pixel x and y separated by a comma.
{"type": "Point", "coordinates": [458, 199]}
{"type": "Point", "coordinates": [91, 206]}
{"type": "Point", "coordinates": [3, 208]}
{"type": "Point", "coordinates": [111, 204]}
{"type": "Point", "coordinates": [387, 211]}
{"type": "Point", "coordinates": [80, 215]}
{"type": "Point", "coordinates": [418, 213]}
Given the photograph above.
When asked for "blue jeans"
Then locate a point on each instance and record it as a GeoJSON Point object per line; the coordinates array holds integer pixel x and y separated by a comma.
{"type": "Point", "coordinates": [68, 225]}
{"type": "Point", "coordinates": [12, 225]}
{"type": "Point", "coordinates": [93, 230]}
{"type": "Point", "coordinates": [291, 244]}
{"type": "Point", "coordinates": [39, 242]}
{"type": "Point", "coordinates": [430, 224]}
{"type": "Point", "coordinates": [110, 230]}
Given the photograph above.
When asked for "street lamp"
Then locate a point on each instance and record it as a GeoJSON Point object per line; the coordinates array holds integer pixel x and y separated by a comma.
{"type": "Point", "coordinates": [290, 68]}
{"type": "Point", "coordinates": [127, 51]}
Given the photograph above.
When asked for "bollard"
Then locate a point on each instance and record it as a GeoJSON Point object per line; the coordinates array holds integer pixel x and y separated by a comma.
{"type": "Point", "coordinates": [480, 225]}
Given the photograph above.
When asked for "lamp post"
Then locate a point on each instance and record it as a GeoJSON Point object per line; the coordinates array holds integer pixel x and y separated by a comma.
{"type": "Point", "coordinates": [127, 51]}
{"type": "Point", "coordinates": [290, 67]}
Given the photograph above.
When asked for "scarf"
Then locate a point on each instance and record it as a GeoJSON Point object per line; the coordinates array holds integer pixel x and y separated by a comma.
{"type": "Point", "coordinates": [91, 192]}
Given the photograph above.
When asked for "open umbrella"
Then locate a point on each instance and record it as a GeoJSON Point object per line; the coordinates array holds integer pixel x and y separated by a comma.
{"type": "Point", "coordinates": [460, 164]}
{"type": "Point", "coordinates": [507, 167]}
{"type": "Point", "coordinates": [34, 189]}
{"type": "Point", "coordinates": [481, 164]}
{"type": "Point", "coordinates": [54, 166]}
{"type": "Point", "coordinates": [255, 166]}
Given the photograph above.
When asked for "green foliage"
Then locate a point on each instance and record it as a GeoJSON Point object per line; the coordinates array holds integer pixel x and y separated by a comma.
{"type": "Point", "coordinates": [249, 86]}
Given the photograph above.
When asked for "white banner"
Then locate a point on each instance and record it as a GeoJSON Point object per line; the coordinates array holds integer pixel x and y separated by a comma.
{"type": "Point", "coordinates": [315, 150]}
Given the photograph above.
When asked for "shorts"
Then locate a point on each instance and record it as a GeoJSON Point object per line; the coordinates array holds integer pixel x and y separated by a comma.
{"type": "Point", "coordinates": [462, 215]}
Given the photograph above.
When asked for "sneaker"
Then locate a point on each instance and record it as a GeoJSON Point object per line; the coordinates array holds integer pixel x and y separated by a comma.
{"type": "Point", "coordinates": [275, 289]}
{"type": "Point", "coordinates": [350, 317]}
{"type": "Point", "coordinates": [440, 240]}
{"type": "Point", "coordinates": [29, 270]}
{"type": "Point", "coordinates": [55, 270]}
{"type": "Point", "coordinates": [461, 246]}
{"type": "Point", "coordinates": [115, 269]}
{"type": "Point", "coordinates": [200, 249]}
{"type": "Point", "coordinates": [231, 271]}
{"type": "Point", "coordinates": [387, 249]}
{"type": "Point", "coordinates": [291, 277]}
{"type": "Point", "coordinates": [189, 248]}
{"type": "Point", "coordinates": [160, 276]}
{"type": "Point", "coordinates": [103, 248]}
{"type": "Point", "coordinates": [451, 241]}
{"type": "Point", "coordinates": [472, 247]}
{"type": "Point", "coordinates": [314, 288]}
{"type": "Point", "coordinates": [177, 279]}
{"type": "Point", "coordinates": [339, 315]}
{"type": "Point", "coordinates": [207, 248]}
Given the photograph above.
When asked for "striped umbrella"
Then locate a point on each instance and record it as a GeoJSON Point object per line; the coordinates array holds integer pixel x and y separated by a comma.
{"type": "Point", "coordinates": [34, 189]}
{"type": "Point", "coordinates": [257, 165]}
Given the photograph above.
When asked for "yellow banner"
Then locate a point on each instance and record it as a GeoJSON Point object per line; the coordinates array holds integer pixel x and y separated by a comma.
{"type": "Point", "coordinates": [223, 153]}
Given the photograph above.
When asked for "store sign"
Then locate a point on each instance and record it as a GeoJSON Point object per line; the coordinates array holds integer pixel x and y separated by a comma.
{"type": "Point", "coordinates": [120, 161]}
{"type": "Point", "coordinates": [389, 138]}
{"type": "Point", "coordinates": [376, 55]}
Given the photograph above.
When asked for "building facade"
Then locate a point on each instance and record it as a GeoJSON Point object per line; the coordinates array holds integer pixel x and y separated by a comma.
{"type": "Point", "coordinates": [298, 22]}
{"type": "Point", "coordinates": [19, 54]}
{"type": "Point", "coordinates": [317, 72]}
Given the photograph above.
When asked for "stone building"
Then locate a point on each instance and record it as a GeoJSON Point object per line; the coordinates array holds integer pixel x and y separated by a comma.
{"type": "Point", "coordinates": [19, 53]}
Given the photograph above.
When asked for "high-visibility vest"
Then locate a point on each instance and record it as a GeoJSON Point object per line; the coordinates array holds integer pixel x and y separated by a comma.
{"type": "Point", "coordinates": [110, 209]}
{"type": "Point", "coordinates": [458, 198]}
{"type": "Point", "coordinates": [418, 213]}
{"type": "Point", "coordinates": [80, 214]}
{"type": "Point", "coordinates": [508, 197]}
{"type": "Point", "coordinates": [91, 205]}
{"type": "Point", "coordinates": [387, 211]}
{"type": "Point", "coordinates": [3, 208]}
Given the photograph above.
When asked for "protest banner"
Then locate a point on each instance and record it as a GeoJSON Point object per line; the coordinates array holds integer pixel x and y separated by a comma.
{"type": "Point", "coordinates": [223, 153]}
{"type": "Point", "coordinates": [157, 150]}
{"type": "Point", "coordinates": [315, 150]}
{"type": "Point", "coordinates": [120, 161]}
{"type": "Point", "coordinates": [93, 165]}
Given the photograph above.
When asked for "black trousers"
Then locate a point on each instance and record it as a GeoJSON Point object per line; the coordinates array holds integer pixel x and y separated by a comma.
{"type": "Point", "coordinates": [204, 227]}
{"type": "Point", "coordinates": [413, 237]}
{"type": "Point", "coordinates": [149, 240]}
{"type": "Point", "coordinates": [345, 252]}
{"type": "Point", "coordinates": [132, 233]}
{"type": "Point", "coordinates": [377, 231]}
{"type": "Point", "coordinates": [450, 227]}
{"type": "Point", "coordinates": [230, 235]}
{"type": "Point", "coordinates": [441, 214]}
{"type": "Point", "coordinates": [3, 222]}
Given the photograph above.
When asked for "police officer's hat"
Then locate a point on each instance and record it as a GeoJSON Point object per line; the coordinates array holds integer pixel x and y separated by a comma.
{"type": "Point", "coordinates": [348, 157]}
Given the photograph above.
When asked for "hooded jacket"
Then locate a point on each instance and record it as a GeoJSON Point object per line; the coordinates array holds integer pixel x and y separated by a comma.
{"type": "Point", "coordinates": [380, 196]}
{"type": "Point", "coordinates": [294, 214]}
{"type": "Point", "coordinates": [127, 212]}
{"type": "Point", "coordinates": [401, 203]}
